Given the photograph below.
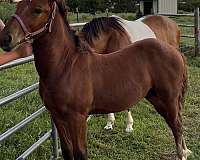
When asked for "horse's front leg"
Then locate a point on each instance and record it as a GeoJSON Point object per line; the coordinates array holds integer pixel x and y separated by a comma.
{"type": "Point", "coordinates": [72, 133]}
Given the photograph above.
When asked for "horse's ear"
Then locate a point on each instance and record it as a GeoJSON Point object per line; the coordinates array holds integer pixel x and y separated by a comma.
{"type": "Point", "coordinates": [62, 5]}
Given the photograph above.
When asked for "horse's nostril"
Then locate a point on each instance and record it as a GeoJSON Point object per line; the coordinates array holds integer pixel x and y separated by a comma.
{"type": "Point", "coordinates": [8, 39]}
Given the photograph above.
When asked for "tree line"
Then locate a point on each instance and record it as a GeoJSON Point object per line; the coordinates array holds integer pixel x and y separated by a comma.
{"type": "Point", "coordinates": [120, 5]}
{"type": "Point", "coordinates": [90, 6]}
{"type": "Point", "coordinates": [188, 5]}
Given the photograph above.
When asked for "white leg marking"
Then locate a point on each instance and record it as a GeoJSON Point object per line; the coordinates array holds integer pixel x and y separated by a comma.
{"type": "Point", "coordinates": [129, 127]}
{"type": "Point", "coordinates": [184, 158]}
{"type": "Point", "coordinates": [110, 122]}
{"type": "Point", "coordinates": [186, 151]}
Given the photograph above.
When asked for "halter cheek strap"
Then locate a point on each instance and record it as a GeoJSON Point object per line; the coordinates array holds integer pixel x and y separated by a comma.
{"type": "Point", "coordinates": [31, 35]}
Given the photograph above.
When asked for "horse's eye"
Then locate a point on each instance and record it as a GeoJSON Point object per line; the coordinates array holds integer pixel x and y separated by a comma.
{"type": "Point", "coordinates": [37, 11]}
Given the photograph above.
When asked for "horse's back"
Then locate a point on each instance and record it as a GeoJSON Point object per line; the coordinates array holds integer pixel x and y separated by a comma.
{"type": "Point", "coordinates": [146, 51]}
{"type": "Point", "coordinates": [161, 51]}
{"type": "Point", "coordinates": [154, 56]}
{"type": "Point", "coordinates": [165, 64]}
{"type": "Point", "coordinates": [137, 30]}
{"type": "Point", "coordinates": [165, 29]}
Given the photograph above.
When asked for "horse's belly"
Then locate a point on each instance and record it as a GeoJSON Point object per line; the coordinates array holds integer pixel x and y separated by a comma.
{"type": "Point", "coordinates": [118, 100]}
{"type": "Point", "coordinates": [114, 106]}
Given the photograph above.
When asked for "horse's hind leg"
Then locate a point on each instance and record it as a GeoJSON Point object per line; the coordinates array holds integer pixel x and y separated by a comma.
{"type": "Point", "coordinates": [110, 122]}
{"type": "Point", "coordinates": [129, 126]}
{"type": "Point", "coordinates": [170, 110]}
{"type": "Point", "coordinates": [186, 151]}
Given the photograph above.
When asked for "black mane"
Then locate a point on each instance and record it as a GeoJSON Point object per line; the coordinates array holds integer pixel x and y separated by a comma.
{"type": "Point", "coordinates": [63, 9]}
{"type": "Point", "coordinates": [93, 28]}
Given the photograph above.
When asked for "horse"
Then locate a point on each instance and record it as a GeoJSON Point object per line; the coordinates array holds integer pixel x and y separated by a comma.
{"type": "Point", "coordinates": [75, 82]}
{"type": "Point", "coordinates": [101, 32]}
{"type": "Point", "coordinates": [109, 34]}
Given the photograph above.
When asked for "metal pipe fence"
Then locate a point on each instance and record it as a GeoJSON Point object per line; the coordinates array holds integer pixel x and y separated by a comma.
{"type": "Point", "coordinates": [195, 27]}
{"type": "Point", "coordinates": [16, 63]}
{"type": "Point", "coordinates": [52, 133]}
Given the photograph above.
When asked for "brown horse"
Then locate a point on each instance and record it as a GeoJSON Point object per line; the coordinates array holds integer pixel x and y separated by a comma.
{"type": "Point", "coordinates": [75, 81]}
{"type": "Point", "coordinates": [110, 34]}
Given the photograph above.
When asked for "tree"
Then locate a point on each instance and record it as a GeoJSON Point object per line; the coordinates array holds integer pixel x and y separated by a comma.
{"type": "Point", "coordinates": [195, 2]}
{"type": "Point", "coordinates": [73, 4]}
{"type": "Point", "coordinates": [102, 5]}
{"type": "Point", "coordinates": [188, 5]}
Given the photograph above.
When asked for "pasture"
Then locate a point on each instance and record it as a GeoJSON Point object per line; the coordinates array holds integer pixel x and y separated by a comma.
{"type": "Point", "coordinates": [150, 140]}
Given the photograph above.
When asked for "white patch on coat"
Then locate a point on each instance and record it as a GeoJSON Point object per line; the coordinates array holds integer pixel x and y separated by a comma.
{"type": "Point", "coordinates": [137, 30]}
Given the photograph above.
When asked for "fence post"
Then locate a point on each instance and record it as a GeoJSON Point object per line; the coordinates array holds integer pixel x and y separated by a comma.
{"type": "Point", "coordinates": [54, 136]}
{"type": "Point", "coordinates": [107, 12]}
{"type": "Point", "coordinates": [77, 15]}
{"type": "Point", "coordinates": [196, 30]}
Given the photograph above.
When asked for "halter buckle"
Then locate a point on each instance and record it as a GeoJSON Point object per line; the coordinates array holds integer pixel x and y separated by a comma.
{"type": "Point", "coordinates": [28, 37]}
{"type": "Point", "coordinates": [46, 25]}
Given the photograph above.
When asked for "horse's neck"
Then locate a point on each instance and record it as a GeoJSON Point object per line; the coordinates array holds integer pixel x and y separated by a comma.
{"type": "Point", "coordinates": [54, 50]}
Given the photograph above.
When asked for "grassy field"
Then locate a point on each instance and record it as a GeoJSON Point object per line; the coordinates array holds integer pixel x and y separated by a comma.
{"type": "Point", "coordinates": [150, 140]}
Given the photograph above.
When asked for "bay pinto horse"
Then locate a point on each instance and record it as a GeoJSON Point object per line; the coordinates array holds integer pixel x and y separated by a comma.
{"type": "Point", "coordinates": [110, 34]}
{"type": "Point", "coordinates": [76, 82]}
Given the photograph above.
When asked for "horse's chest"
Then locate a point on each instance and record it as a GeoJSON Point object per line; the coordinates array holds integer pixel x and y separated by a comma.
{"type": "Point", "coordinates": [64, 100]}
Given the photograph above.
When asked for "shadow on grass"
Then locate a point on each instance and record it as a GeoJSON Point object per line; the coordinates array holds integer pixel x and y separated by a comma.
{"type": "Point", "coordinates": [166, 156]}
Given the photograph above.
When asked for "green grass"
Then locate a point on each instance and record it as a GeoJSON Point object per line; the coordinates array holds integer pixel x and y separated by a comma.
{"type": "Point", "coordinates": [6, 10]}
{"type": "Point", "coordinates": [150, 140]}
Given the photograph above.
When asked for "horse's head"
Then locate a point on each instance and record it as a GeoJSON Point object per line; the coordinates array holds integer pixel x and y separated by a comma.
{"type": "Point", "coordinates": [32, 19]}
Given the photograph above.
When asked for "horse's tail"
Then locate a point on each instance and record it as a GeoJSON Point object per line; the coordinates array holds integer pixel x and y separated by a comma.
{"type": "Point", "coordinates": [184, 82]}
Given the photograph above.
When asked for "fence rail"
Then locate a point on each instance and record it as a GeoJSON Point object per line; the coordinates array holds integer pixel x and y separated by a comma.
{"type": "Point", "coordinates": [22, 124]}
{"type": "Point", "coordinates": [18, 94]}
{"type": "Point", "coordinates": [178, 15]}
{"type": "Point", "coordinates": [16, 63]}
{"type": "Point", "coordinates": [195, 15]}
{"type": "Point", "coordinates": [35, 145]}
{"type": "Point", "coordinates": [185, 25]}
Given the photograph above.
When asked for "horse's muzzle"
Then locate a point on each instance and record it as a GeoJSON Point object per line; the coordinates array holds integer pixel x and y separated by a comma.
{"type": "Point", "coordinates": [6, 41]}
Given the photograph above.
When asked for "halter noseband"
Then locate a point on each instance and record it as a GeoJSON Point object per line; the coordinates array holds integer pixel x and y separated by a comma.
{"type": "Point", "coordinates": [30, 35]}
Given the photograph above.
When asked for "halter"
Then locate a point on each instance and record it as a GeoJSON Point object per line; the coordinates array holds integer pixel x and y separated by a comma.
{"type": "Point", "coordinates": [30, 35]}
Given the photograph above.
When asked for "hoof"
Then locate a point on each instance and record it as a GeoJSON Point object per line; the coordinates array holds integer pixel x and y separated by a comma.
{"type": "Point", "coordinates": [108, 127]}
{"type": "Point", "coordinates": [187, 152]}
{"type": "Point", "coordinates": [129, 129]}
{"type": "Point", "coordinates": [184, 158]}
